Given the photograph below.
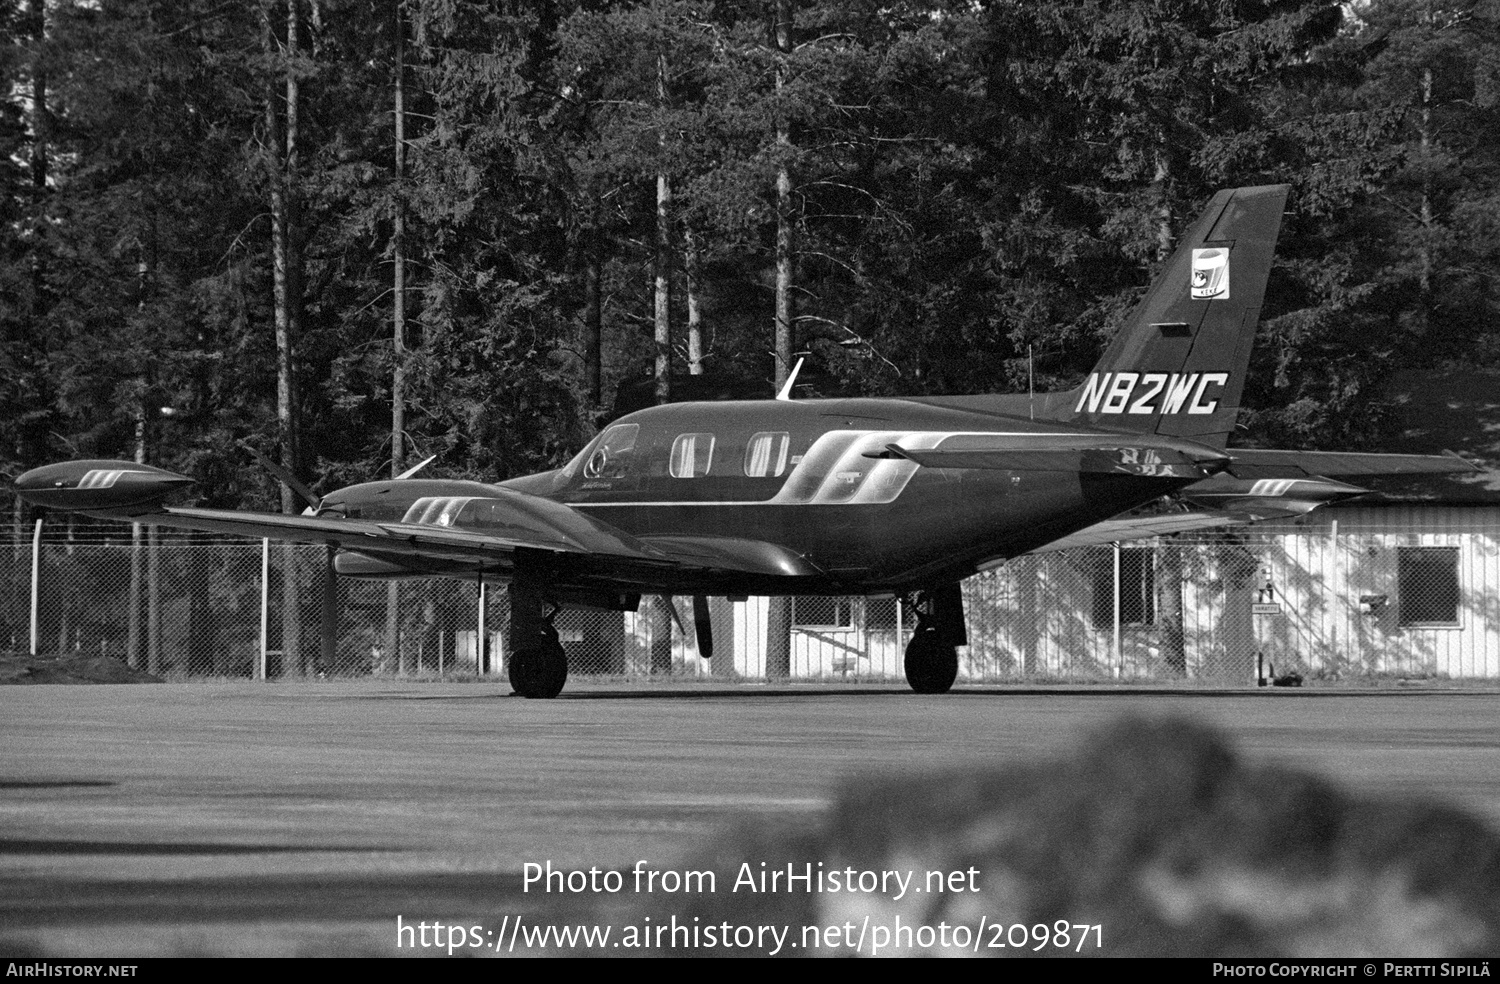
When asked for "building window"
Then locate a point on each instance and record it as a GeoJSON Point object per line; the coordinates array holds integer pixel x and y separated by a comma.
{"type": "Point", "coordinates": [691, 455]}
{"type": "Point", "coordinates": [826, 614]}
{"type": "Point", "coordinates": [1137, 587]}
{"type": "Point", "coordinates": [765, 455]}
{"type": "Point", "coordinates": [1427, 585]}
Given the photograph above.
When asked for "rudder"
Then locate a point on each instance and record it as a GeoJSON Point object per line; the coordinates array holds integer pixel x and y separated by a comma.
{"type": "Point", "coordinates": [1177, 367]}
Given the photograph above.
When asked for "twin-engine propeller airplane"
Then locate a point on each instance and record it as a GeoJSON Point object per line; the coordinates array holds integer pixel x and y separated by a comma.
{"type": "Point", "coordinates": [895, 496]}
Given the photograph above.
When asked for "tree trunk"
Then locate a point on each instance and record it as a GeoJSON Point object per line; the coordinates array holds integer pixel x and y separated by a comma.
{"type": "Point", "coordinates": [41, 137]}
{"type": "Point", "coordinates": [694, 316]}
{"type": "Point", "coordinates": [153, 600]}
{"type": "Point", "coordinates": [779, 616]}
{"type": "Point", "coordinates": [593, 319]}
{"type": "Point", "coordinates": [1169, 556]}
{"type": "Point", "coordinates": [662, 258]}
{"type": "Point", "coordinates": [35, 28]}
{"type": "Point", "coordinates": [785, 242]}
{"type": "Point", "coordinates": [134, 651]}
{"type": "Point", "coordinates": [286, 289]}
{"type": "Point", "coordinates": [778, 638]}
{"type": "Point", "coordinates": [1424, 275]}
{"type": "Point", "coordinates": [202, 619]}
{"type": "Point", "coordinates": [1169, 607]}
{"type": "Point", "coordinates": [64, 603]}
{"type": "Point", "coordinates": [1164, 236]}
{"type": "Point", "coordinates": [661, 635]}
{"type": "Point", "coordinates": [398, 324]}
{"type": "Point", "coordinates": [328, 615]}
{"type": "Point", "coordinates": [398, 251]}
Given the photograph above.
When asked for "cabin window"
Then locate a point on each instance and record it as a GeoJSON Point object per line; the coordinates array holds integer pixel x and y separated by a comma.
{"type": "Point", "coordinates": [1137, 587]}
{"type": "Point", "coordinates": [765, 455]}
{"type": "Point", "coordinates": [825, 614]}
{"type": "Point", "coordinates": [691, 455]}
{"type": "Point", "coordinates": [436, 510]}
{"type": "Point", "coordinates": [612, 456]}
{"type": "Point", "coordinates": [1427, 585]}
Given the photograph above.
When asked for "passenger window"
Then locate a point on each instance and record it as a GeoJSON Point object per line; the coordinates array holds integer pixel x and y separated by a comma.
{"type": "Point", "coordinates": [691, 455]}
{"type": "Point", "coordinates": [765, 455]}
{"type": "Point", "coordinates": [612, 458]}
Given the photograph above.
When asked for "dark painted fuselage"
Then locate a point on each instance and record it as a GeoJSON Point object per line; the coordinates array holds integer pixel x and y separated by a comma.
{"type": "Point", "coordinates": [800, 474]}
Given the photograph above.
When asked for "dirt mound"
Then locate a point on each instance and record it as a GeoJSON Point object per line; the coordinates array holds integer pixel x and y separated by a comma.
{"type": "Point", "coordinates": [76, 668]}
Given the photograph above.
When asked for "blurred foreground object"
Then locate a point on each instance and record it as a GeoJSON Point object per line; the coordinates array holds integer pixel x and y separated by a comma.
{"type": "Point", "coordinates": [1155, 831]}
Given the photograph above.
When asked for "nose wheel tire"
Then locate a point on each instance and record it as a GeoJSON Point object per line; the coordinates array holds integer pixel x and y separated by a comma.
{"type": "Point", "coordinates": [931, 664]}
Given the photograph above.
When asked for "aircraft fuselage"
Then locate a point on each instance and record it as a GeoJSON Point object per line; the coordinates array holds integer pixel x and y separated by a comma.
{"type": "Point", "coordinates": [802, 475]}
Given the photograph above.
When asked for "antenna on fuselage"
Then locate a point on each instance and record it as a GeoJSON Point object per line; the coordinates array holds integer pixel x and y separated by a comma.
{"type": "Point", "coordinates": [786, 387]}
{"type": "Point", "coordinates": [416, 468]}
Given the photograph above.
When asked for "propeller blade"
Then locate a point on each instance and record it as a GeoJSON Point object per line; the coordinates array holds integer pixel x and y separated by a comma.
{"type": "Point", "coordinates": [676, 615]}
{"type": "Point", "coordinates": [291, 481]}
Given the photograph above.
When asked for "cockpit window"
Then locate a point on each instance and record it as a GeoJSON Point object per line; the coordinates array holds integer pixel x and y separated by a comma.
{"type": "Point", "coordinates": [691, 455]}
{"type": "Point", "coordinates": [611, 457]}
{"type": "Point", "coordinates": [765, 455]}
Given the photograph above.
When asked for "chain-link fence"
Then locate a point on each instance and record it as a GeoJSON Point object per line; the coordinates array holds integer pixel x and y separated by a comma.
{"type": "Point", "coordinates": [1222, 608]}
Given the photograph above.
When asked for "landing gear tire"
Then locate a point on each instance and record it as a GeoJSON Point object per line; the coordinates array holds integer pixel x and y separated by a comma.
{"type": "Point", "coordinates": [539, 670]}
{"type": "Point", "coordinates": [931, 664]}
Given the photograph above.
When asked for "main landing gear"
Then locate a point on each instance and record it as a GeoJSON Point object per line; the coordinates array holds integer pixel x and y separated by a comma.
{"type": "Point", "coordinates": [538, 665]}
{"type": "Point", "coordinates": [932, 654]}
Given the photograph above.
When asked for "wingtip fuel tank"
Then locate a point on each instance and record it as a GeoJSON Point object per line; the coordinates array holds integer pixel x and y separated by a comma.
{"type": "Point", "coordinates": [85, 486]}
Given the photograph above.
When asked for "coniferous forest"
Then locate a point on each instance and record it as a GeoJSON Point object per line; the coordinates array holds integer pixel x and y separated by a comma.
{"type": "Point", "coordinates": [355, 233]}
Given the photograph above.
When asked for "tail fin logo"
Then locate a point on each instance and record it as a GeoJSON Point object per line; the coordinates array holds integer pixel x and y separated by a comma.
{"type": "Point", "coordinates": [1211, 274]}
{"type": "Point", "coordinates": [1148, 393]}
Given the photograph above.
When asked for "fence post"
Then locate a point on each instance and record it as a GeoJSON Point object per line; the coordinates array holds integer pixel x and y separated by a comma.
{"type": "Point", "coordinates": [1119, 650]}
{"type": "Point", "coordinates": [265, 607]}
{"type": "Point", "coordinates": [481, 644]}
{"type": "Point", "coordinates": [36, 575]}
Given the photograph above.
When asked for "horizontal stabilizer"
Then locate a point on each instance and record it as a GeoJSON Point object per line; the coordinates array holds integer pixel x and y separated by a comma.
{"type": "Point", "coordinates": [1256, 463]}
{"type": "Point", "coordinates": [1268, 498]}
{"type": "Point", "coordinates": [1139, 528]}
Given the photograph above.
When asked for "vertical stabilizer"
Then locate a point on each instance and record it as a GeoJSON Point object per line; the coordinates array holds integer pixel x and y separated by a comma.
{"type": "Point", "coordinates": [1178, 364]}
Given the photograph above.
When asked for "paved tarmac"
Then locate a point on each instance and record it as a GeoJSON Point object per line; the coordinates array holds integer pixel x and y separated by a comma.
{"type": "Point", "coordinates": [284, 819]}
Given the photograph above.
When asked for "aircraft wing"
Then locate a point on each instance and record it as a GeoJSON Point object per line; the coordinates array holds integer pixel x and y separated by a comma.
{"type": "Point", "coordinates": [404, 538]}
{"type": "Point", "coordinates": [470, 524]}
